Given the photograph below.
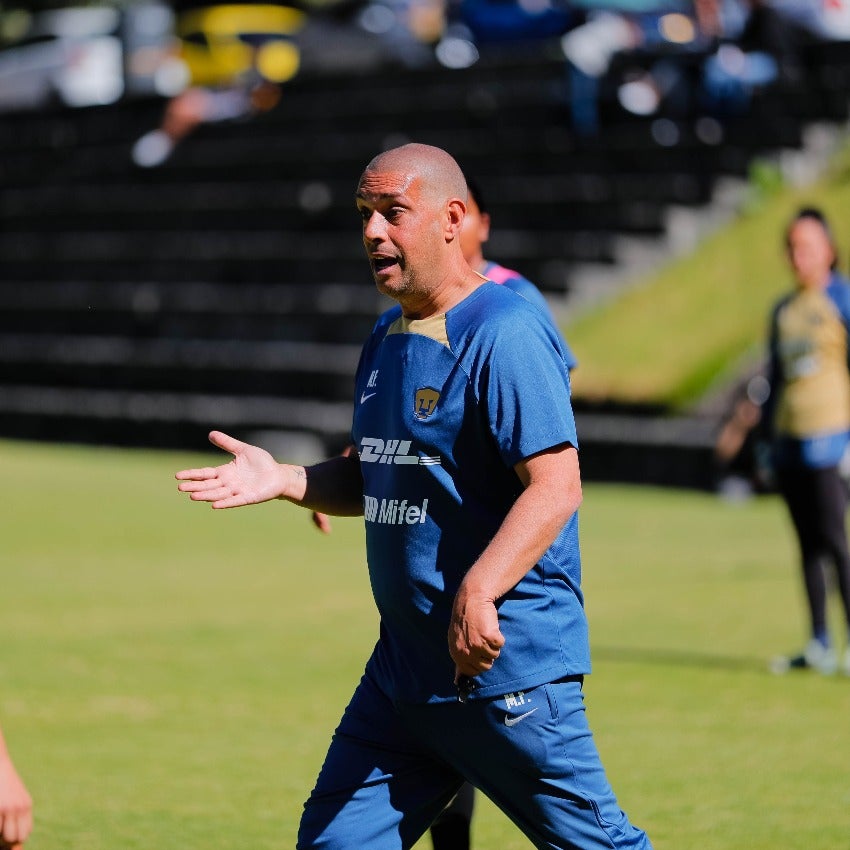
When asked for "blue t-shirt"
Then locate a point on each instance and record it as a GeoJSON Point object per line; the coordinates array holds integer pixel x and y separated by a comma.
{"type": "Point", "coordinates": [523, 286]}
{"type": "Point", "coordinates": [444, 409]}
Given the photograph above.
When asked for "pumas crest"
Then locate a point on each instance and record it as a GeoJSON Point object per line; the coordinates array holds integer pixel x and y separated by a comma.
{"type": "Point", "coordinates": [425, 402]}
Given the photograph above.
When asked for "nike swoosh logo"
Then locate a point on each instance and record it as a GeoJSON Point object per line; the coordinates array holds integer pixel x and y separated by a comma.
{"type": "Point", "coordinates": [512, 721]}
{"type": "Point", "coordinates": [364, 397]}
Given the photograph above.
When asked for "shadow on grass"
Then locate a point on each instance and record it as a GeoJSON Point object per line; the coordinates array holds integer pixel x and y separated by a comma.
{"type": "Point", "coordinates": [678, 658]}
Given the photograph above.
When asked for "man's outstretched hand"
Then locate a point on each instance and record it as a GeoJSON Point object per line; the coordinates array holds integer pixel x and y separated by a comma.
{"type": "Point", "coordinates": [253, 476]}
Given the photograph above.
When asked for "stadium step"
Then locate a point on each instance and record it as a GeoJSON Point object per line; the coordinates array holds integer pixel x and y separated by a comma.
{"type": "Point", "coordinates": [228, 286]}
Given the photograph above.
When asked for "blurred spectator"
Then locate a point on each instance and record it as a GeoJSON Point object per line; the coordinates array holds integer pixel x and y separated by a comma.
{"type": "Point", "coordinates": [662, 27]}
{"type": "Point", "coordinates": [198, 105]}
{"type": "Point", "coordinates": [699, 58]}
{"type": "Point", "coordinates": [515, 20]}
{"type": "Point", "coordinates": [807, 418]}
{"type": "Point", "coordinates": [85, 55]}
{"type": "Point", "coordinates": [407, 29]}
{"type": "Point", "coordinates": [767, 49]}
{"type": "Point", "coordinates": [739, 470]}
{"type": "Point", "coordinates": [237, 59]}
{"type": "Point", "coordinates": [825, 19]}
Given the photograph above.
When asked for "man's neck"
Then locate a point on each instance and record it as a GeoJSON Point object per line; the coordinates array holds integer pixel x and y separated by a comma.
{"type": "Point", "coordinates": [443, 297]}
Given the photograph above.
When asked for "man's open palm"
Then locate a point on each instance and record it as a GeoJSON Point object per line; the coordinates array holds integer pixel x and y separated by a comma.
{"type": "Point", "coordinates": [252, 476]}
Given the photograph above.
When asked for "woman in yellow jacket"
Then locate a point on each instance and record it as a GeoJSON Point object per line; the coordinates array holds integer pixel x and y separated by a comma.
{"type": "Point", "coordinates": [808, 417]}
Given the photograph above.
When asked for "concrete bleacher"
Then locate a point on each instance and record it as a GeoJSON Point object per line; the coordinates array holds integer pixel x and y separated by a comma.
{"type": "Point", "coordinates": [228, 288]}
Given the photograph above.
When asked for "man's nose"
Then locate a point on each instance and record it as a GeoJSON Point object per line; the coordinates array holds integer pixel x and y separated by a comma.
{"type": "Point", "coordinates": [373, 230]}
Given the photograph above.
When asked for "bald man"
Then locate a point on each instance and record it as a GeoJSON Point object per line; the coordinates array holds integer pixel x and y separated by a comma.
{"type": "Point", "coordinates": [466, 473]}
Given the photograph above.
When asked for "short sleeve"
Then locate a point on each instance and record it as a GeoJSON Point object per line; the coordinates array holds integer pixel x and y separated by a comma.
{"type": "Point", "coordinates": [534, 296]}
{"type": "Point", "coordinates": [525, 388]}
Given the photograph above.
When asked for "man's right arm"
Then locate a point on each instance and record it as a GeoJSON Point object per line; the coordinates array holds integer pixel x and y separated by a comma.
{"type": "Point", "coordinates": [334, 487]}
{"type": "Point", "coordinates": [253, 476]}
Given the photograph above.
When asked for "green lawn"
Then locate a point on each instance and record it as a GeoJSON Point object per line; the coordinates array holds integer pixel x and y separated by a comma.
{"type": "Point", "coordinates": [170, 675]}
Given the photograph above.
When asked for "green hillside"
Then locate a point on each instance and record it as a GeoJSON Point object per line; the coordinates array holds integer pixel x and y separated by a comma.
{"type": "Point", "coordinates": [696, 322]}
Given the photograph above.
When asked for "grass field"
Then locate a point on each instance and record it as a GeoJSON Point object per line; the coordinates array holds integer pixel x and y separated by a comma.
{"type": "Point", "coordinates": [170, 675]}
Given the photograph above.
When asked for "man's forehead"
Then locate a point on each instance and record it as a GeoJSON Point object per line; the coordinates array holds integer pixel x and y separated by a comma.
{"type": "Point", "coordinates": [377, 184]}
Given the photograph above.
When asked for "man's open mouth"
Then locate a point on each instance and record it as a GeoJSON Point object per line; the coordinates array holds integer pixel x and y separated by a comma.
{"type": "Point", "coordinates": [380, 264]}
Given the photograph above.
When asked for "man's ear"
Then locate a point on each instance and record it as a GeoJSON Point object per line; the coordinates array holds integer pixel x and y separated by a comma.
{"type": "Point", "coordinates": [455, 211]}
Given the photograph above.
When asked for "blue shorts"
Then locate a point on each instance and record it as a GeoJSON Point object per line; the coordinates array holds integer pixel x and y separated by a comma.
{"type": "Point", "coordinates": [391, 769]}
{"type": "Point", "coordinates": [819, 451]}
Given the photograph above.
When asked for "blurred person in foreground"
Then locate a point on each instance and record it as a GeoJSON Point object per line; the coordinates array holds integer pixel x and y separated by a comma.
{"type": "Point", "coordinates": [15, 803]}
{"type": "Point", "coordinates": [466, 473]}
{"type": "Point", "coordinates": [807, 418]}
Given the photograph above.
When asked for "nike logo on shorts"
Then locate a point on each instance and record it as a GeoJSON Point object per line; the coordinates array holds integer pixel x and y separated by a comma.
{"type": "Point", "coordinates": [364, 397]}
{"type": "Point", "coordinates": [512, 721]}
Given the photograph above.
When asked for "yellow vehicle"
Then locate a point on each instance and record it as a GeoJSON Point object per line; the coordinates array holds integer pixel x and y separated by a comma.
{"type": "Point", "coordinates": [221, 44]}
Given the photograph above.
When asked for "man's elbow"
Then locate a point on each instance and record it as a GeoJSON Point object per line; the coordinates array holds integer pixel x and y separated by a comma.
{"type": "Point", "coordinates": [573, 501]}
{"type": "Point", "coordinates": [567, 503]}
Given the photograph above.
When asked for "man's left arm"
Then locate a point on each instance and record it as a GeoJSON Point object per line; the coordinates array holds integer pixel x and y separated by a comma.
{"type": "Point", "coordinates": [551, 496]}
